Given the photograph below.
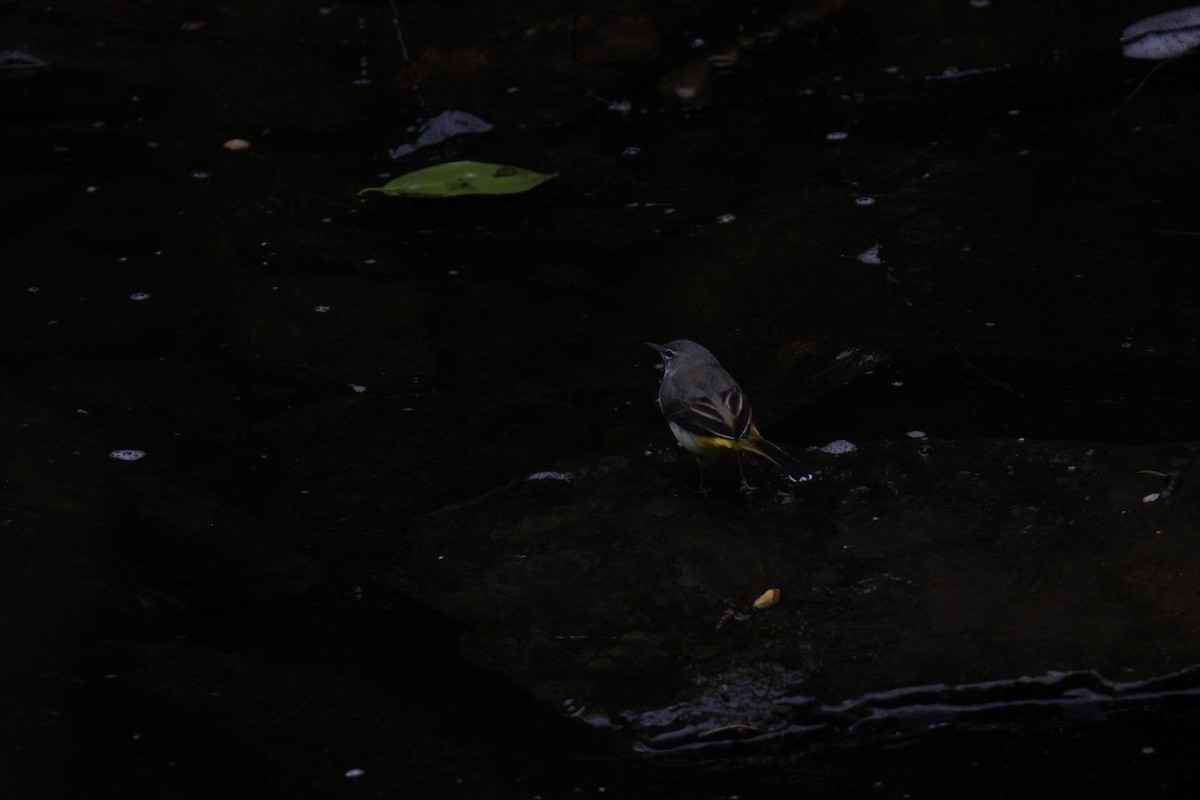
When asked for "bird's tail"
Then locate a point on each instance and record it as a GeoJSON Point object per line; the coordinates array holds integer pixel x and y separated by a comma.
{"type": "Point", "coordinates": [764, 448]}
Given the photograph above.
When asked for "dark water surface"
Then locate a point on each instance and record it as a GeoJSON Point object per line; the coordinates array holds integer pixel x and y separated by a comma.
{"type": "Point", "coordinates": [328, 575]}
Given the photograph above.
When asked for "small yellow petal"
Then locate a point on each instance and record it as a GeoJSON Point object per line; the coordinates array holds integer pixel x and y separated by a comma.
{"type": "Point", "coordinates": [768, 598]}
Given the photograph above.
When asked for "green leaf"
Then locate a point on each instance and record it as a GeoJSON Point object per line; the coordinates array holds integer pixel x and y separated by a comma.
{"type": "Point", "coordinates": [462, 177]}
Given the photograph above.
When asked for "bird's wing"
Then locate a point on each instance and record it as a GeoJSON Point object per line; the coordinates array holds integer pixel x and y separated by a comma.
{"type": "Point", "coordinates": [725, 414]}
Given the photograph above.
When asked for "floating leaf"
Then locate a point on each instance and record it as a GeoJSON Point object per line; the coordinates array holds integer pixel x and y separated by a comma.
{"type": "Point", "coordinates": [463, 177]}
{"type": "Point", "coordinates": [16, 64]}
{"type": "Point", "coordinates": [1164, 35]}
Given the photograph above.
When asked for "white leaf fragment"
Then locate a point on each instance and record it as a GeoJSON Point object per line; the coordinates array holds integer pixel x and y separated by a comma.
{"type": "Point", "coordinates": [872, 255]}
{"type": "Point", "coordinates": [438, 129]}
{"type": "Point", "coordinates": [1163, 36]}
{"type": "Point", "coordinates": [550, 476]}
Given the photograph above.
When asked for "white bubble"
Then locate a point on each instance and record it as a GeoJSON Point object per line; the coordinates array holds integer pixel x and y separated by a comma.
{"type": "Point", "coordinates": [864, 201]}
{"type": "Point", "coordinates": [127, 455]}
{"type": "Point", "coordinates": [139, 296]}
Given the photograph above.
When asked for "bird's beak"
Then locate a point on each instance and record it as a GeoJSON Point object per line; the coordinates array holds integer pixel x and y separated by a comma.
{"type": "Point", "coordinates": [654, 346]}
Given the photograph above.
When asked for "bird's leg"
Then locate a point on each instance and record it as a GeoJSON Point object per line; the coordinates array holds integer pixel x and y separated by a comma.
{"type": "Point", "coordinates": [700, 465]}
{"type": "Point", "coordinates": [745, 487]}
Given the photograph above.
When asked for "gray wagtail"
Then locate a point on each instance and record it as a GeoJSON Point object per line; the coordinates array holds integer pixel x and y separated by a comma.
{"type": "Point", "coordinates": [709, 413]}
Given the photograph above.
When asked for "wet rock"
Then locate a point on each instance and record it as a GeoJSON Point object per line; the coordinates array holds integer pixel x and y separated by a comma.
{"type": "Point", "coordinates": [912, 563]}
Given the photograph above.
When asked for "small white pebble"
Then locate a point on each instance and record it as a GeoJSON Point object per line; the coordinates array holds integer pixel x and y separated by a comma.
{"type": "Point", "coordinates": [33, 289]}
{"type": "Point", "coordinates": [836, 136]}
{"type": "Point", "coordinates": [1150, 498]}
{"type": "Point", "coordinates": [725, 219]}
{"type": "Point", "coordinates": [354, 773]}
{"type": "Point", "coordinates": [199, 174]}
{"type": "Point", "coordinates": [139, 296]}
{"type": "Point", "coordinates": [916, 435]}
{"type": "Point", "coordinates": [864, 201]}
{"type": "Point", "coordinates": [127, 455]}
{"type": "Point", "coordinates": [631, 151]}
{"type": "Point", "coordinates": [236, 145]}
{"type": "Point", "coordinates": [839, 447]}
{"type": "Point", "coordinates": [358, 388]}
{"type": "Point", "coordinates": [321, 309]}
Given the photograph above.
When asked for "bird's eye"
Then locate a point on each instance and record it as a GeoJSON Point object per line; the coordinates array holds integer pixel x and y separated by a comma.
{"type": "Point", "coordinates": [668, 353]}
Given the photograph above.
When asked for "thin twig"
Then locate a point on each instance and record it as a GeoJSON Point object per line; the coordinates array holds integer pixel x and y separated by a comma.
{"type": "Point", "coordinates": [408, 65]}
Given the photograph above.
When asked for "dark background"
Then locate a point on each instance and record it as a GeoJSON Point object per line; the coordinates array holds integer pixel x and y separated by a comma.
{"type": "Point", "coordinates": [217, 619]}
